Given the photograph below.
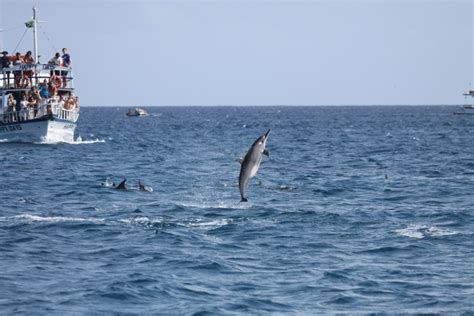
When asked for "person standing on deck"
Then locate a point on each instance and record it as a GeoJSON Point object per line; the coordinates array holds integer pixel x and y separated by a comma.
{"type": "Point", "coordinates": [18, 60]}
{"type": "Point", "coordinates": [28, 59]}
{"type": "Point", "coordinates": [56, 60]}
{"type": "Point", "coordinates": [11, 109]}
{"type": "Point", "coordinates": [66, 63]}
{"type": "Point", "coordinates": [5, 63]}
{"type": "Point", "coordinates": [66, 58]}
{"type": "Point", "coordinates": [44, 89]}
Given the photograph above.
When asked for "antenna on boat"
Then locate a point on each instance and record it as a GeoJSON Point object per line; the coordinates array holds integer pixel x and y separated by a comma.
{"type": "Point", "coordinates": [1, 39]}
{"type": "Point", "coordinates": [35, 39]}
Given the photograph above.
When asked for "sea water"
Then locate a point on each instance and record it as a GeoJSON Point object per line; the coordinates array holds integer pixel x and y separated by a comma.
{"type": "Point", "coordinates": [357, 210]}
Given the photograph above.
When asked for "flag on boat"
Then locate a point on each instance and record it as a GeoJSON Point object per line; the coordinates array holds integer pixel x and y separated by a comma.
{"type": "Point", "coordinates": [29, 24]}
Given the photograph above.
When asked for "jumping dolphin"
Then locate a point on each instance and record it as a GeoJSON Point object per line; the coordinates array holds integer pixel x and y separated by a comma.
{"type": "Point", "coordinates": [251, 162]}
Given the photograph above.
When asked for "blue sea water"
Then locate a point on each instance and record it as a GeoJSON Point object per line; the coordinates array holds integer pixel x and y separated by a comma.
{"type": "Point", "coordinates": [358, 210]}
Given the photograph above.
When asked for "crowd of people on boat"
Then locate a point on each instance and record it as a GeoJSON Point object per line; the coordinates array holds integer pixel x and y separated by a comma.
{"type": "Point", "coordinates": [28, 106]}
{"type": "Point", "coordinates": [41, 95]}
{"type": "Point", "coordinates": [23, 77]}
{"type": "Point", "coordinates": [6, 61]}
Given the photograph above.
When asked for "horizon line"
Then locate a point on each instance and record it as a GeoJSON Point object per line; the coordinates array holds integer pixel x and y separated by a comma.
{"type": "Point", "coordinates": [267, 105]}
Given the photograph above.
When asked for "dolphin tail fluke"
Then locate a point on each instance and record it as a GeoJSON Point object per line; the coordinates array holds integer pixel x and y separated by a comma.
{"type": "Point", "coordinates": [243, 199]}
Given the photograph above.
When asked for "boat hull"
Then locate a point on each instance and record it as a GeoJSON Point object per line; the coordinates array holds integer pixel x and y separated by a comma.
{"type": "Point", "coordinates": [49, 129]}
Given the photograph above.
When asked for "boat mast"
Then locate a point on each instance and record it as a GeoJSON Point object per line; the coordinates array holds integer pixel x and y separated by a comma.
{"type": "Point", "coordinates": [35, 39]}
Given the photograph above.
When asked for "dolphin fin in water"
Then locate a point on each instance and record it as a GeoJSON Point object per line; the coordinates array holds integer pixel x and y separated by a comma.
{"type": "Point", "coordinates": [266, 153]}
{"type": "Point", "coordinates": [251, 163]}
{"type": "Point", "coordinates": [121, 185]}
{"type": "Point", "coordinates": [142, 187]}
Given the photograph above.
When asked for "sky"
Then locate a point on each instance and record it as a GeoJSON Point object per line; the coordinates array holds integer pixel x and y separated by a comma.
{"type": "Point", "coordinates": [255, 52]}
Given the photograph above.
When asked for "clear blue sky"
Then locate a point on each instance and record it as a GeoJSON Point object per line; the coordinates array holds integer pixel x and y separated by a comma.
{"type": "Point", "coordinates": [260, 52]}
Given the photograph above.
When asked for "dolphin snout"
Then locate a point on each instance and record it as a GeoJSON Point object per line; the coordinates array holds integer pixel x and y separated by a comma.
{"type": "Point", "coordinates": [268, 132]}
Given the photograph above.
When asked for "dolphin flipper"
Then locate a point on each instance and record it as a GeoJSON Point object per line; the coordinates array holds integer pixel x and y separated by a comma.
{"type": "Point", "coordinates": [266, 153]}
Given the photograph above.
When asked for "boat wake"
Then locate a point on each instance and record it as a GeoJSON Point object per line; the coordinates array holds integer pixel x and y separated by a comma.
{"type": "Point", "coordinates": [80, 141]}
{"type": "Point", "coordinates": [77, 141]}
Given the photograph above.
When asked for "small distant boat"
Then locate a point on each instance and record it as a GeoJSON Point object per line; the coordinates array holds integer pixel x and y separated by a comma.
{"type": "Point", "coordinates": [467, 109]}
{"type": "Point", "coordinates": [137, 112]}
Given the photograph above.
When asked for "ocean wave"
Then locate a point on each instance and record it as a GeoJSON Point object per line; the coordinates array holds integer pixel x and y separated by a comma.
{"type": "Point", "coordinates": [142, 220]}
{"type": "Point", "coordinates": [215, 205]}
{"type": "Point", "coordinates": [422, 231]}
{"type": "Point", "coordinates": [28, 218]}
{"type": "Point", "coordinates": [210, 223]}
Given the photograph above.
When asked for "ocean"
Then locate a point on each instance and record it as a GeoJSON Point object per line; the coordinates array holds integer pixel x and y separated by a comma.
{"type": "Point", "coordinates": [357, 210]}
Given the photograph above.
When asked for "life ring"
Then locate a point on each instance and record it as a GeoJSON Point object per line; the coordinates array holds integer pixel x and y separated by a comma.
{"type": "Point", "coordinates": [56, 81]}
{"type": "Point", "coordinates": [24, 82]}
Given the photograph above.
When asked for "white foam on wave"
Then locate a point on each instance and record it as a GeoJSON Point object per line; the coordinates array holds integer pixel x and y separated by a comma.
{"type": "Point", "coordinates": [77, 141]}
{"type": "Point", "coordinates": [28, 218]}
{"type": "Point", "coordinates": [92, 141]}
{"type": "Point", "coordinates": [210, 223]}
{"type": "Point", "coordinates": [141, 220]}
{"type": "Point", "coordinates": [411, 232]}
{"type": "Point", "coordinates": [51, 219]}
{"type": "Point", "coordinates": [109, 183]}
{"type": "Point", "coordinates": [219, 205]}
{"type": "Point", "coordinates": [422, 231]}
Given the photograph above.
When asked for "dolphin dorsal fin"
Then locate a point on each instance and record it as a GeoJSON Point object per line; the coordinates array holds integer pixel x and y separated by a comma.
{"type": "Point", "coordinates": [121, 185]}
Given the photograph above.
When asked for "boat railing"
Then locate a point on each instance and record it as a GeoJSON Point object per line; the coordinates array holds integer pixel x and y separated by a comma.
{"type": "Point", "coordinates": [56, 110]}
{"type": "Point", "coordinates": [25, 76]}
{"type": "Point", "coordinates": [21, 115]}
{"type": "Point", "coordinates": [60, 112]}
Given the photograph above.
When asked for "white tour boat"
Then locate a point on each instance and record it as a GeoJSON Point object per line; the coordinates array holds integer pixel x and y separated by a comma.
{"type": "Point", "coordinates": [137, 112]}
{"type": "Point", "coordinates": [47, 119]}
{"type": "Point", "coordinates": [467, 109]}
